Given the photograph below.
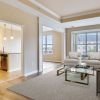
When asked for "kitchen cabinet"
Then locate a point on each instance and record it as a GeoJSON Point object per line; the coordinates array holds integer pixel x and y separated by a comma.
{"type": "Point", "coordinates": [4, 62]}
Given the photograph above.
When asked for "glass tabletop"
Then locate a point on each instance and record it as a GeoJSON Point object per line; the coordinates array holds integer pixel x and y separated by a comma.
{"type": "Point", "coordinates": [80, 69]}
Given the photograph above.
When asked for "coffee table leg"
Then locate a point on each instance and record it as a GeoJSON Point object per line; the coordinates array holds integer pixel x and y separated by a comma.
{"type": "Point", "coordinates": [59, 72]}
{"type": "Point", "coordinates": [83, 76]}
{"type": "Point", "coordinates": [65, 75]}
{"type": "Point", "coordinates": [87, 79]}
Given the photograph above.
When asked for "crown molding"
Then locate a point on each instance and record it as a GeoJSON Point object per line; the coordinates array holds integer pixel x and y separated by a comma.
{"type": "Point", "coordinates": [40, 8]}
{"type": "Point", "coordinates": [44, 8]}
{"type": "Point", "coordinates": [79, 16]}
{"type": "Point", "coordinates": [35, 8]}
{"type": "Point", "coordinates": [28, 7]}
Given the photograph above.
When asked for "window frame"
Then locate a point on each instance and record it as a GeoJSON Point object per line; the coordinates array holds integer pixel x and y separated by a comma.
{"type": "Point", "coordinates": [75, 44]}
{"type": "Point", "coordinates": [47, 52]}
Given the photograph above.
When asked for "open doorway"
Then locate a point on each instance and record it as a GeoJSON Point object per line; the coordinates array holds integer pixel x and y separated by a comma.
{"type": "Point", "coordinates": [51, 47]}
{"type": "Point", "coordinates": [10, 51]}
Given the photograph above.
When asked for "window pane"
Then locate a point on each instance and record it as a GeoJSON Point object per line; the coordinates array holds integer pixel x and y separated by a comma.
{"type": "Point", "coordinates": [44, 46]}
{"type": "Point", "coordinates": [49, 39]}
{"type": "Point", "coordinates": [82, 49]}
{"type": "Point", "coordinates": [44, 39]}
{"type": "Point", "coordinates": [91, 38]}
{"type": "Point", "coordinates": [44, 49]}
{"type": "Point", "coordinates": [99, 37]}
{"type": "Point", "coordinates": [49, 48]}
{"type": "Point", "coordinates": [99, 48]}
{"type": "Point", "coordinates": [91, 48]}
{"type": "Point", "coordinates": [81, 39]}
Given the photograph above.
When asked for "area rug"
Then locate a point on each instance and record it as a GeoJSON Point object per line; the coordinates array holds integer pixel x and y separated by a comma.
{"type": "Point", "coordinates": [52, 87]}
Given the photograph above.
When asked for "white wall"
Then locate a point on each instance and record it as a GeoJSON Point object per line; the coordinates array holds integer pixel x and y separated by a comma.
{"type": "Point", "coordinates": [14, 62]}
{"type": "Point", "coordinates": [30, 32]}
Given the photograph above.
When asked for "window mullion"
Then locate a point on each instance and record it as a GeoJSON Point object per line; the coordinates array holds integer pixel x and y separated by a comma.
{"type": "Point", "coordinates": [96, 41]}
{"type": "Point", "coordinates": [86, 43]}
{"type": "Point", "coordinates": [46, 44]}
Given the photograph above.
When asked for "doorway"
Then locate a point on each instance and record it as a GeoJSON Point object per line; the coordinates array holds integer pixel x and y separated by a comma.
{"type": "Point", "coordinates": [10, 51]}
{"type": "Point", "coordinates": [51, 48]}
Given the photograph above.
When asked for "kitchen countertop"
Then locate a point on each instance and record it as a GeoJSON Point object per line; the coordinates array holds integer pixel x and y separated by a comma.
{"type": "Point", "coordinates": [6, 54]}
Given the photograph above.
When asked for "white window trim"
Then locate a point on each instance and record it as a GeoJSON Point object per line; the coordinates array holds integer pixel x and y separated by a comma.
{"type": "Point", "coordinates": [75, 32]}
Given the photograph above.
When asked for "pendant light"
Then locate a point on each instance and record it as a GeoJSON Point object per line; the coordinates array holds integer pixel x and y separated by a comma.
{"type": "Point", "coordinates": [4, 38]}
{"type": "Point", "coordinates": [11, 37]}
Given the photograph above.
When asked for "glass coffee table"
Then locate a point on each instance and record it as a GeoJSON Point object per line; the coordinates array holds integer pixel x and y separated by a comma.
{"type": "Point", "coordinates": [83, 73]}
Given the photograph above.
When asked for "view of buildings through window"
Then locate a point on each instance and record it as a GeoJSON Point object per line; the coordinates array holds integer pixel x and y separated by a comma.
{"type": "Point", "coordinates": [85, 42]}
{"type": "Point", "coordinates": [47, 44]}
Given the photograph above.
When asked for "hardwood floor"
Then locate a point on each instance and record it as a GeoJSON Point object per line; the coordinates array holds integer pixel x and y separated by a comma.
{"type": "Point", "coordinates": [9, 79]}
{"type": "Point", "coordinates": [7, 76]}
{"type": "Point", "coordinates": [5, 94]}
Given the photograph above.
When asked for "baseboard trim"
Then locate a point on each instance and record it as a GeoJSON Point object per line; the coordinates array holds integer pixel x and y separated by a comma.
{"type": "Point", "coordinates": [53, 61]}
{"type": "Point", "coordinates": [13, 70]}
{"type": "Point", "coordinates": [30, 73]}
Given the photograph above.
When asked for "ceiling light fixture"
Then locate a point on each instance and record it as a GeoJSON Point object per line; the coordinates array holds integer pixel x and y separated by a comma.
{"type": "Point", "coordinates": [11, 37]}
{"type": "Point", "coordinates": [4, 38]}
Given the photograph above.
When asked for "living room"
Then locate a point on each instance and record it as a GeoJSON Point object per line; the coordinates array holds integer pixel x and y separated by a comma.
{"type": "Point", "coordinates": [84, 39]}
{"type": "Point", "coordinates": [75, 76]}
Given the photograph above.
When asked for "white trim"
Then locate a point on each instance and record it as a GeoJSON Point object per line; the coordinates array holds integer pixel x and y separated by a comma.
{"type": "Point", "coordinates": [30, 73]}
{"type": "Point", "coordinates": [90, 30]}
{"type": "Point", "coordinates": [72, 48]}
{"type": "Point", "coordinates": [8, 22]}
{"type": "Point", "coordinates": [81, 14]}
{"type": "Point", "coordinates": [75, 32]}
{"type": "Point", "coordinates": [13, 70]}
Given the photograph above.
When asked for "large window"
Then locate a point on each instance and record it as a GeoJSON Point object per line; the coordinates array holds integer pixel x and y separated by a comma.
{"type": "Point", "coordinates": [85, 42]}
{"type": "Point", "coordinates": [47, 44]}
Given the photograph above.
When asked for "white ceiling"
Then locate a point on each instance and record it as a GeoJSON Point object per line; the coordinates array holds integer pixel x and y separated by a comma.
{"type": "Point", "coordinates": [45, 29]}
{"type": "Point", "coordinates": [84, 22]}
{"type": "Point", "coordinates": [70, 7]}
